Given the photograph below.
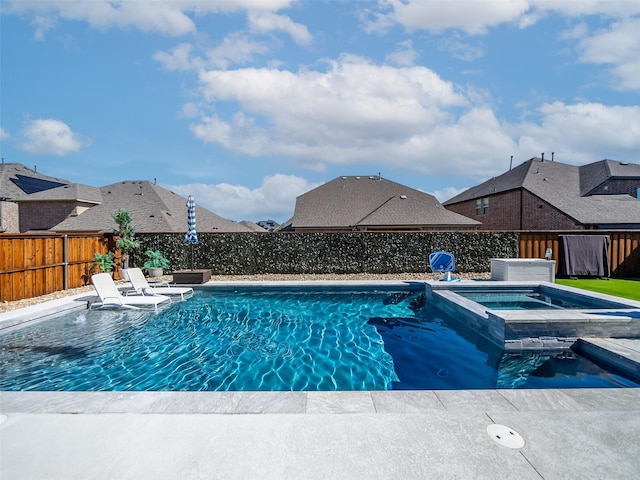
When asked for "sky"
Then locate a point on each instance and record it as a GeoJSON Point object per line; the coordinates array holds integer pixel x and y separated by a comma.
{"type": "Point", "coordinates": [247, 104]}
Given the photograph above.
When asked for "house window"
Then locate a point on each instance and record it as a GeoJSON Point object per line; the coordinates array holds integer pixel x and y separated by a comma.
{"type": "Point", "coordinates": [482, 206]}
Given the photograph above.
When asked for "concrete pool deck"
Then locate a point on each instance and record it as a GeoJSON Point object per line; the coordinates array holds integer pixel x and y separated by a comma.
{"type": "Point", "coordinates": [569, 433]}
{"type": "Point", "coordinates": [587, 434]}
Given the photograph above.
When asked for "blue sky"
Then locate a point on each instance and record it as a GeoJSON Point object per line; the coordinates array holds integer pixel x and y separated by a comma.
{"type": "Point", "coordinates": [247, 104]}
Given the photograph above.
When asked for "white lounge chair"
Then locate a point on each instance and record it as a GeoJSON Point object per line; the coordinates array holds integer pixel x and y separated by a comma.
{"type": "Point", "coordinates": [110, 296]}
{"type": "Point", "coordinates": [140, 286]}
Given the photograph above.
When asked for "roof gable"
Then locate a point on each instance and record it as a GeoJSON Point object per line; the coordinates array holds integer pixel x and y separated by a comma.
{"type": "Point", "coordinates": [509, 180]}
{"type": "Point", "coordinates": [404, 210]}
{"type": "Point", "coordinates": [566, 187]}
{"type": "Point", "coordinates": [152, 207]}
{"type": "Point", "coordinates": [351, 201]}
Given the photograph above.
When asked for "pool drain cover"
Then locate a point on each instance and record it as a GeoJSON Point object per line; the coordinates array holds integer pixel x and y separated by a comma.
{"type": "Point", "coordinates": [505, 436]}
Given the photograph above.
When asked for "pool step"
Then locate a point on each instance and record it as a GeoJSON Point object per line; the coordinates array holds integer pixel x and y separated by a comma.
{"type": "Point", "coordinates": [620, 353]}
{"type": "Point", "coordinates": [539, 344]}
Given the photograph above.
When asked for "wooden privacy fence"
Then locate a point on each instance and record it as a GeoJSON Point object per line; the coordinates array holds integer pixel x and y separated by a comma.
{"type": "Point", "coordinates": [624, 248]}
{"type": "Point", "coordinates": [37, 264]}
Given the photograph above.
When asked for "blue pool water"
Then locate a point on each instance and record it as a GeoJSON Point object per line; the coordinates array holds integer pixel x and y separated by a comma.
{"type": "Point", "coordinates": [283, 340]}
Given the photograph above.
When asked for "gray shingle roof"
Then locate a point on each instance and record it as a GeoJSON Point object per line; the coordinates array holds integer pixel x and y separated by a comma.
{"type": "Point", "coordinates": [353, 201]}
{"type": "Point", "coordinates": [153, 208]}
{"type": "Point", "coordinates": [565, 186]}
{"type": "Point", "coordinates": [9, 171]}
{"type": "Point", "coordinates": [73, 191]}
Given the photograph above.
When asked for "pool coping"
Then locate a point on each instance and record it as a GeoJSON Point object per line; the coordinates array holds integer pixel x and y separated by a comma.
{"type": "Point", "coordinates": [338, 402]}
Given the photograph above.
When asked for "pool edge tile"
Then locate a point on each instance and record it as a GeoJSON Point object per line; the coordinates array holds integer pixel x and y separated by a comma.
{"type": "Point", "coordinates": [340, 402]}
{"type": "Point", "coordinates": [271, 402]}
{"type": "Point", "coordinates": [406, 401]}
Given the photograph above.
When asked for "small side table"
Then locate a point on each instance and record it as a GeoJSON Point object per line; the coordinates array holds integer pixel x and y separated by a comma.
{"type": "Point", "coordinates": [191, 276]}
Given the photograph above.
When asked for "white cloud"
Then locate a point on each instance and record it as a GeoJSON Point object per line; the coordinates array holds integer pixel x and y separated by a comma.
{"type": "Point", "coordinates": [265, 22]}
{"type": "Point", "coordinates": [179, 58]}
{"type": "Point", "coordinates": [235, 49]}
{"type": "Point", "coordinates": [274, 199]}
{"type": "Point", "coordinates": [618, 46]}
{"type": "Point", "coordinates": [460, 49]}
{"type": "Point", "coordinates": [353, 113]}
{"type": "Point", "coordinates": [405, 55]}
{"type": "Point", "coordinates": [50, 137]}
{"type": "Point", "coordinates": [4, 135]}
{"type": "Point", "coordinates": [581, 8]}
{"type": "Point", "coordinates": [358, 113]}
{"type": "Point", "coordinates": [582, 132]}
{"type": "Point", "coordinates": [446, 193]}
{"type": "Point", "coordinates": [475, 17]}
{"type": "Point", "coordinates": [162, 17]}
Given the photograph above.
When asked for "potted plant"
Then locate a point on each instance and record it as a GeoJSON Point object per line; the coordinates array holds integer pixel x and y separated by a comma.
{"type": "Point", "coordinates": [125, 233]}
{"type": "Point", "coordinates": [155, 263]}
{"type": "Point", "coordinates": [104, 261]}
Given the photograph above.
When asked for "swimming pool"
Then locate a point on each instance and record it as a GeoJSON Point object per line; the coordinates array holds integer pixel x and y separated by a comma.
{"type": "Point", "coordinates": [301, 339]}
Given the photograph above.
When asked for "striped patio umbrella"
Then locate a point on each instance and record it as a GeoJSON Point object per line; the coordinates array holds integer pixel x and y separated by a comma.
{"type": "Point", "coordinates": [191, 237]}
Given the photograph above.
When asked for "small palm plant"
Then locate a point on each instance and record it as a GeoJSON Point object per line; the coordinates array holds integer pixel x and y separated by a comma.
{"type": "Point", "coordinates": [104, 261]}
{"type": "Point", "coordinates": [125, 232]}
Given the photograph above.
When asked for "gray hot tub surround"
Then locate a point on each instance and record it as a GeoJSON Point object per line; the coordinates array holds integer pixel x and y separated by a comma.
{"type": "Point", "coordinates": [613, 318]}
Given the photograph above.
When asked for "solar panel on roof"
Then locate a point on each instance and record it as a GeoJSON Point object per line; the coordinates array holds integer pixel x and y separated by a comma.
{"type": "Point", "coordinates": [34, 185]}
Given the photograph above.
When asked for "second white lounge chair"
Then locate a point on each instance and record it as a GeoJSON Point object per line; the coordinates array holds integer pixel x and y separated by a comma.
{"type": "Point", "coordinates": [140, 286]}
{"type": "Point", "coordinates": [110, 296]}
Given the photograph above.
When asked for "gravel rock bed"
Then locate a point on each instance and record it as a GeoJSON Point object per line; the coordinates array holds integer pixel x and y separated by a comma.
{"type": "Point", "coordinates": [7, 306]}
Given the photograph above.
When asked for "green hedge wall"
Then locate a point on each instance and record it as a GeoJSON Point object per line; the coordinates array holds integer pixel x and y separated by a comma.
{"type": "Point", "coordinates": [314, 253]}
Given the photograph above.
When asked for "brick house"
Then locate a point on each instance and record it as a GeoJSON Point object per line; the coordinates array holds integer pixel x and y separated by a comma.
{"type": "Point", "coordinates": [16, 181]}
{"type": "Point", "coordinates": [152, 207]}
{"type": "Point", "coordinates": [547, 195]}
{"type": "Point", "coordinates": [30, 201]}
{"type": "Point", "coordinates": [371, 204]}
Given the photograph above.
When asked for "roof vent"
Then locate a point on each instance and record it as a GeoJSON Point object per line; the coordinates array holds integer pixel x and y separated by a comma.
{"type": "Point", "coordinates": [357, 178]}
{"type": "Point", "coordinates": [403, 197]}
{"type": "Point", "coordinates": [624, 163]}
{"type": "Point", "coordinates": [344, 178]}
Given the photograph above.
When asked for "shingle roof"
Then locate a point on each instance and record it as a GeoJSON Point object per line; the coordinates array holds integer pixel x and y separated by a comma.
{"type": "Point", "coordinates": [11, 175]}
{"type": "Point", "coordinates": [565, 186]}
{"type": "Point", "coordinates": [353, 201]}
{"type": "Point", "coordinates": [152, 207]}
{"type": "Point", "coordinates": [73, 191]}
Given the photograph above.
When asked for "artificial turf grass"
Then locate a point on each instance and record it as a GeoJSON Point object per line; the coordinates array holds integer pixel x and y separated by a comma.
{"type": "Point", "coordinates": [621, 288]}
